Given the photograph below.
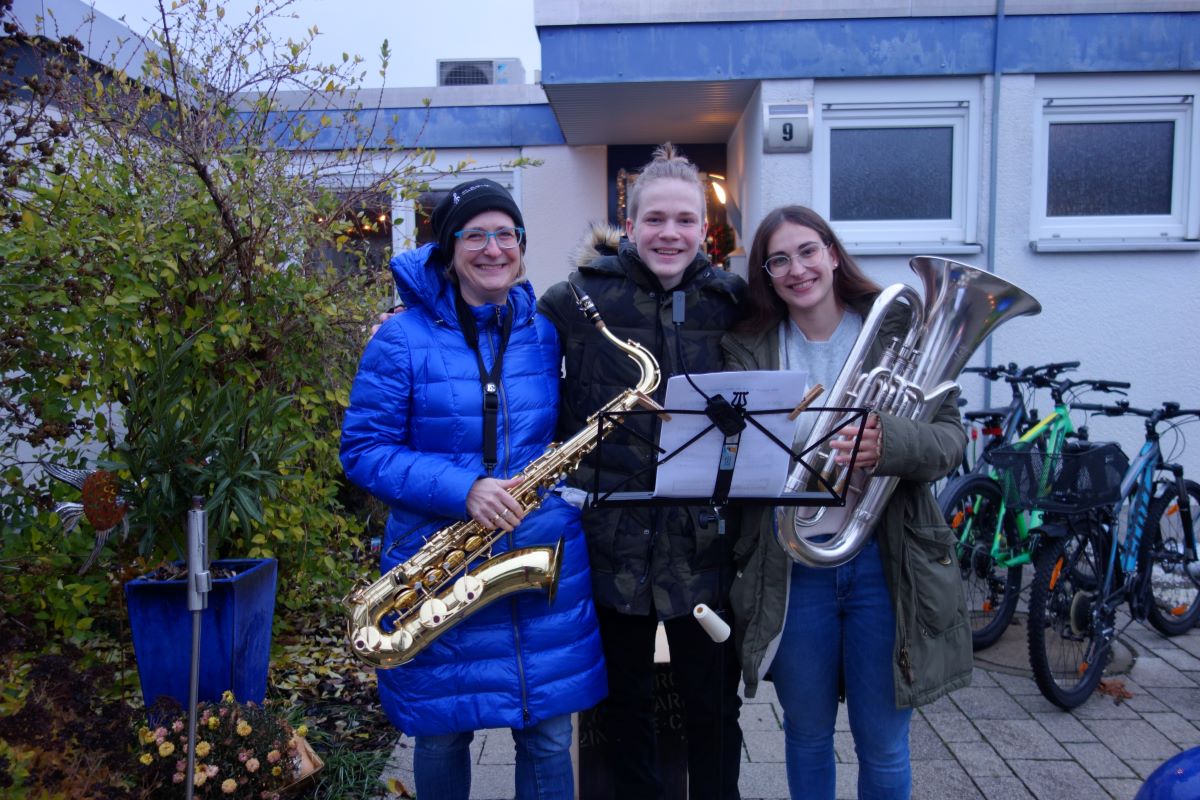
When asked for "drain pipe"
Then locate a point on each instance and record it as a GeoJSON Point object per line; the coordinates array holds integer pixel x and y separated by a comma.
{"type": "Point", "coordinates": [993, 191]}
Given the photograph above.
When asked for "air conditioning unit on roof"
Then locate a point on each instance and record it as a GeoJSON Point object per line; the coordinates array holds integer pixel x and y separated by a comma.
{"type": "Point", "coordinates": [483, 71]}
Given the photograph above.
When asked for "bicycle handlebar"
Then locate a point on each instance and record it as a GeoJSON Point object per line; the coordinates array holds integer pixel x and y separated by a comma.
{"type": "Point", "coordinates": [1168, 410]}
{"type": "Point", "coordinates": [1014, 374]}
{"type": "Point", "coordinates": [1059, 388]}
{"type": "Point", "coordinates": [993, 373]}
{"type": "Point", "coordinates": [1052, 369]}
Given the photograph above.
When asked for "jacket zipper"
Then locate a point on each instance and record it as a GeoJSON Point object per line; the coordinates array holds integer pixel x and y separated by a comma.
{"type": "Point", "coordinates": [906, 666]}
{"type": "Point", "coordinates": [905, 661]}
{"type": "Point", "coordinates": [520, 660]}
{"type": "Point", "coordinates": [503, 470]}
{"type": "Point", "coordinates": [662, 348]}
{"type": "Point", "coordinates": [503, 467]}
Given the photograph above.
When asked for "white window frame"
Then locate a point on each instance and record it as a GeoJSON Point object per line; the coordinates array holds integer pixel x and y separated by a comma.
{"type": "Point", "coordinates": [948, 102]}
{"type": "Point", "coordinates": [1118, 99]}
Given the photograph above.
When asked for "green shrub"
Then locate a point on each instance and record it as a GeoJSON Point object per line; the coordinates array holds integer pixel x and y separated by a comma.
{"type": "Point", "coordinates": [165, 312]}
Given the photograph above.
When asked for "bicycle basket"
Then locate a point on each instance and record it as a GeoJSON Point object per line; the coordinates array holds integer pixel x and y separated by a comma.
{"type": "Point", "coordinates": [1083, 476]}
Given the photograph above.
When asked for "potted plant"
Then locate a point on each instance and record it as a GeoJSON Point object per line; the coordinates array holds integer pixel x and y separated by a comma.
{"type": "Point", "coordinates": [187, 436]}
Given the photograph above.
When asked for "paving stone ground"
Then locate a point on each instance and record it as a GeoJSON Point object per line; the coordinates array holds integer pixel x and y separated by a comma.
{"type": "Point", "coordinates": [997, 739]}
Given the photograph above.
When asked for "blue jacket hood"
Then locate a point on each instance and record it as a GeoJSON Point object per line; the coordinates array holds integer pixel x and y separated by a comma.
{"type": "Point", "coordinates": [421, 281]}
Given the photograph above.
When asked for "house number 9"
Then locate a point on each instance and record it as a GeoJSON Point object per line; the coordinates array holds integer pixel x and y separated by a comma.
{"type": "Point", "coordinates": [788, 129]}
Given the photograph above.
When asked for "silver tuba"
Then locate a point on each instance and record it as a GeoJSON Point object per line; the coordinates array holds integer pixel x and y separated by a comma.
{"type": "Point", "coordinates": [962, 306]}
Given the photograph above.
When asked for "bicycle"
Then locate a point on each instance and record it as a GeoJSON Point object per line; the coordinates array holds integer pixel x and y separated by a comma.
{"type": "Point", "coordinates": [999, 426]}
{"type": "Point", "coordinates": [1086, 570]}
{"type": "Point", "coordinates": [995, 426]}
{"type": "Point", "coordinates": [994, 542]}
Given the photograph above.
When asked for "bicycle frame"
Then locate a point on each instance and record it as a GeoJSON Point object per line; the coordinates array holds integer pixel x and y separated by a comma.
{"type": "Point", "coordinates": [1012, 419]}
{"type": "Point", "coordinates": [1055, 427]}
{"type": "Point", "coordinates": [1137, 487]}
{"type": "Point", "coordinates": [1137, 491]}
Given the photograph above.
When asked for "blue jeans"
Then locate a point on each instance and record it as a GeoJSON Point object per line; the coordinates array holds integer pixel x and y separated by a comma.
{"type": "Point", "coordinates": [442, 764]}
{"type": "Point", "coordinates": [841, 621]}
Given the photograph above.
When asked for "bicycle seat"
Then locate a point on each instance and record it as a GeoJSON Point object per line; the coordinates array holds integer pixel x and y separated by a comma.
{"type": "Point", "coordinates": [985, 413]}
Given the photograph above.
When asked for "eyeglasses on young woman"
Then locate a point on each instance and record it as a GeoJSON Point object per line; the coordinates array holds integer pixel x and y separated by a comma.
{"type": "Point", "coordinates": [807, 256]}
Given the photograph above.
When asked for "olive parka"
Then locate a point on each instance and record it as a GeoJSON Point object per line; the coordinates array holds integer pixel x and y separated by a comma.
{"type": "Point", "coordinates": [932, 654]}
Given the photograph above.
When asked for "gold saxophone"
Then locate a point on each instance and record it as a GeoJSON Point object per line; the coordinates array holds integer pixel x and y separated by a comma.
{"type": "Point", "coordinates": [432, 591]}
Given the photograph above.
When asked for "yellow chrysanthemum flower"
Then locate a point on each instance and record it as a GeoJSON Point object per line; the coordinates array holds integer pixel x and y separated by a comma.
{"type": "Point", "coordinates": [227, 696]}
{"type": "Point", "coordinates": [146, 759]}
{"type": "Point", "coordinates": [203, 748]}
{"type": "Point", "coordinates": [145, 736]}
{"type": "Point", "coordinates": [214, 723]}
{"type": "Point", "coordinates": [302, 730]}
{"type": "Point", "coordinates": [243, 728]}
{"type": "Point", "coordinates": [276, 771]}
{"type": "Point", "coordinates": [165, 749]}
{"type": "Point", "coordinates": [229, 786]}
{"type": "Point", "coordinates": [201, 777]}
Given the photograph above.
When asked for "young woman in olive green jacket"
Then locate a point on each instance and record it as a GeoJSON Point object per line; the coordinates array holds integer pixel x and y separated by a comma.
{"type": "Point", "coordinates": [888, 630]}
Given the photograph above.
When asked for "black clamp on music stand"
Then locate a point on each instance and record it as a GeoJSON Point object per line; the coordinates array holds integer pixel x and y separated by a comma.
{"type": "Point", "coordinates": [729, 419]}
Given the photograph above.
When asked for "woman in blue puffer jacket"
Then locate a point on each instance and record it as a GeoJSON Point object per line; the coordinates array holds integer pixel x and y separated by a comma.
{"type": "Point", "coordinates": [414, 437]}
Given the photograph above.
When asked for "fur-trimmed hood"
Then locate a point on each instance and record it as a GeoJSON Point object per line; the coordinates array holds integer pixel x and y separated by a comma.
{"type": "Point", "coordinates": [601, 240]}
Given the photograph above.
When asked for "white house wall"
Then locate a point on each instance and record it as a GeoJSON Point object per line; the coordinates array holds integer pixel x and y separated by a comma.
{"type": "Point", "coordinates": [560, 200]}
{"type": "Point", "coordinates": [1124, 315]}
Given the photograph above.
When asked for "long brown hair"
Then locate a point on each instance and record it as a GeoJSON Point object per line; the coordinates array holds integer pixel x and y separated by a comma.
{"type": "Point", "coordinates": [764, 308]}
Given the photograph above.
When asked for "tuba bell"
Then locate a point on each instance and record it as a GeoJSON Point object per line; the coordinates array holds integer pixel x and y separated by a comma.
{"type": "Point", "coordinates": [962, 306]}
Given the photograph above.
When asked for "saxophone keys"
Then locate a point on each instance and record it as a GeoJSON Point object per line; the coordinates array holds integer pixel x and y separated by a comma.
{"type": "Point", "coordinates": [433, 613]}
{"type": "Point", "coordinates": [434, 577]}
{"type": "Point", "coordinates": [401, 640]}
{"type": "Point", "coordinates": [453, 560]}
{"type": "Point", "coordinates": [467, 588]}
{"type": "Point", "coordinates": [369, 639]}
{"type": "Point", "coordinates": [405, 600]}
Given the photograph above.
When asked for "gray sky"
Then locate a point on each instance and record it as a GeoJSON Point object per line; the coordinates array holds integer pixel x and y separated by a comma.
{"type": "Point", "coordinates": [418, 31]}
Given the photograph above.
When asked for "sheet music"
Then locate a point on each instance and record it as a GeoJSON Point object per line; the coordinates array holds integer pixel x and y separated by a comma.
{"type": "Point", "coordinates": [761, 466]}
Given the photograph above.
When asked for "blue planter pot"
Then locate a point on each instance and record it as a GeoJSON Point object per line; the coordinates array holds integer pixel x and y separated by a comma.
{"type": "Point", "coordinates": [235, 633]}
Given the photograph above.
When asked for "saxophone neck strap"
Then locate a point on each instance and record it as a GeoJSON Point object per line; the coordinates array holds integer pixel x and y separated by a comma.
{"type": "Point", "coordinates": [489, 380]}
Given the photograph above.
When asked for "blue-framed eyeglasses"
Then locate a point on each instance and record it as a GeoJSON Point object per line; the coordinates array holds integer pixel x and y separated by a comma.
{"type": "Point", "coordinates": [476, 239]}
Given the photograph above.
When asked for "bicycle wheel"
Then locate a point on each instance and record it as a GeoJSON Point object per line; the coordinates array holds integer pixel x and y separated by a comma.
{"type": "Point", "coordinates": [1068, 641]}
{"type": "Point", "coordinates": [971, 507]}
{"type": "Point", "coordinates": [1174, 598]}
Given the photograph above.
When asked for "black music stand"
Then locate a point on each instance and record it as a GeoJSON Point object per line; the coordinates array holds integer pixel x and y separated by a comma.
{"type": "Point", "coordinates": [825, 494]}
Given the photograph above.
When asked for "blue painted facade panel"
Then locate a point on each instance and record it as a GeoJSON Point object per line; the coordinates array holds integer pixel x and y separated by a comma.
{"type": "Point", "coordinates": [453, 126]}
{"type": "Point", "coordinates": [909, 46]}
{"type": "Point", "coordinates": [1189, 50]}
{"type": "Point", "coordinates": [1100, 43]}
{"type": "Point", "coordinates": [762, 50]}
